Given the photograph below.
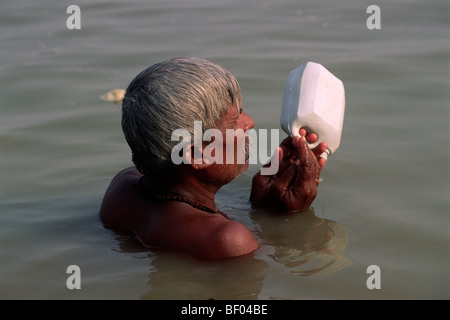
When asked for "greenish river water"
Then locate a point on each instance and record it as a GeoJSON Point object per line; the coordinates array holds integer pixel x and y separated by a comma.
{"type": "Point", "coordinates": [384, 198]}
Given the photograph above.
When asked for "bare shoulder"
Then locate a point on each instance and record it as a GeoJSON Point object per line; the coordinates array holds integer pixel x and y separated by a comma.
{"type": "Point", "coordinates": [119, 197]}
{"type": "Point", "coordinates": [233, 239]}
{"type": "Point", "coordinates": [124, 176]}
{"type": "Point", "coordinates": [181, 227]}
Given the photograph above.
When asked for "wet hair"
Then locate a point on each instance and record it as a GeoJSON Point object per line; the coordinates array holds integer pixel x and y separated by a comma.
{"type": "Point", "coordinates": [172, 95]}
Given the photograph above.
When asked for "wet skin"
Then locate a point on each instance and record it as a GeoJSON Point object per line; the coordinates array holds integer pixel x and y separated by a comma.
{"type": "Point", "coordinates": [178, 226]}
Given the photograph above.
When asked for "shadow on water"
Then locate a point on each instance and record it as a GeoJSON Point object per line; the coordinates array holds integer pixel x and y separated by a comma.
{"type": "Point", "coordinates": [301, 243]}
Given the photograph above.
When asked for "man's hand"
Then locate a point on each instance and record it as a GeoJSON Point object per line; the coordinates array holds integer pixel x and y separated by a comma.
{"type": "Point", "coordinates": [294, 186]}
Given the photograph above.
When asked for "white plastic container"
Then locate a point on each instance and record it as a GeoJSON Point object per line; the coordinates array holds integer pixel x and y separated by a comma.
{"type": "Point", "coordinates": [314, 99]}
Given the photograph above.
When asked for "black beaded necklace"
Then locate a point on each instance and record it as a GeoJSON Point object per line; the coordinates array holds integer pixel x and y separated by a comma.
{"type": "Point", "coordinates": [158, 196]}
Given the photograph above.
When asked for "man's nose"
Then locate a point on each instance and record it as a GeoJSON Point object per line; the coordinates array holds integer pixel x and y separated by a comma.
{"type": "Point", "coordinates": [248, 121]}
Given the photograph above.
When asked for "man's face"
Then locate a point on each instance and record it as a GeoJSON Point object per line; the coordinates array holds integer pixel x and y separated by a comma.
{"type": "Point", "coordinates": [233, 125]}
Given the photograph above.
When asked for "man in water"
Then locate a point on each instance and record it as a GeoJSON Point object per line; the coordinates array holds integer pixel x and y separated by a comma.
{"type": "Point", "coordinates": [169, 205]}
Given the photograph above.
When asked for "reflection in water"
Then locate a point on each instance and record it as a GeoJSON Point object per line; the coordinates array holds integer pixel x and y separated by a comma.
{"type": "Point", "coordinates": [304, 243]}
{"type": "Point", "coordinates": [183, 277]}
{"type": "Point", "coordinates": [174, 275]}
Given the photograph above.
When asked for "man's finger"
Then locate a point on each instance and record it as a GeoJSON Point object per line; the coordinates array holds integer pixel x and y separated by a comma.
{"type": "Point", "coordinates": [308, 167]}
{"type": "Point", "coordinates": [280, 187]}
{"type": "Point", "coordinates": [322, 162]}
{"type": "Point", "coordinates": [311, 138]}
{"type": "Point", "coordinates": [319, 149]}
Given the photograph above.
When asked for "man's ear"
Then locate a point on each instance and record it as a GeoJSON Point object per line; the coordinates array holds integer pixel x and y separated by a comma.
{"type": "Point", "coordinates": [193, 155]}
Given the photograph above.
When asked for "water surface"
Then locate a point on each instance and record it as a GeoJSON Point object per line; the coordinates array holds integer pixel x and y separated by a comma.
{"type": "Point", "coordinates": [384, 195]}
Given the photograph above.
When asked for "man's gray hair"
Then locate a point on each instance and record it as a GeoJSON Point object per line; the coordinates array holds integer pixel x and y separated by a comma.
{"type": "Point", "coordinates": [172, 95]}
